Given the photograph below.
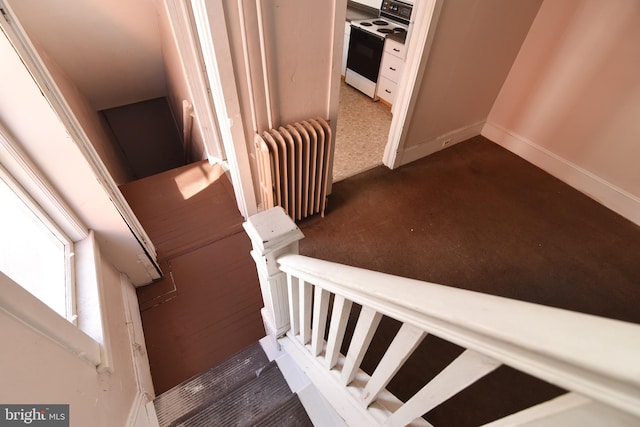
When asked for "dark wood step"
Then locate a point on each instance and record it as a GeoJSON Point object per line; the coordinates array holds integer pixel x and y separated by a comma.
{"type": "Point", "coordinates": [185, 399]}
{"type": "Point", "coordinates": [290, 413]}
{"type": "Point", "coordinates": [246, 404]}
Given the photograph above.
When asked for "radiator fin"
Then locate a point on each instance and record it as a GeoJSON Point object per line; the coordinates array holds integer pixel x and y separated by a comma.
{"type": "Point", "coordinates": [294, 164]}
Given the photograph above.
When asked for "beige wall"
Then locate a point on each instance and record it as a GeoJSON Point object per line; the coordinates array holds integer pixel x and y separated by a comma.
{"type": "Point", "coordinates": [177, 87]}
{"type": "Point", "coordinates": [299, 40]}
{"type": "Point", "coordinates": [473, 48]}
{"type": "Point", "coordinates": [35, 369]}
{"type": "Point", "coordinates": [91, 121]}
{"type": "Point", "coordinates": [109, 48]}
{"type": "Point", "coordinates": [574, 89]}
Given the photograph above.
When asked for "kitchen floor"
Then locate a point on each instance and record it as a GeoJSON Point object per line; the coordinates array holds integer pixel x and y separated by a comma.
{"type": "Point", "coordinates": [362, 133]}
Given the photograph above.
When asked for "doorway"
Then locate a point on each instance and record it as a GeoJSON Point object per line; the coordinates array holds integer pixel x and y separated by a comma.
{"type": "Point", "coordinates": [362, 131]}
{"type": "Point", "coordinates": [421, 27]}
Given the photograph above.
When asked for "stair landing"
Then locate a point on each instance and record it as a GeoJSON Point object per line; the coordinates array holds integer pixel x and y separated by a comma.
{"type": "Point", "coordinates": [207, 305]}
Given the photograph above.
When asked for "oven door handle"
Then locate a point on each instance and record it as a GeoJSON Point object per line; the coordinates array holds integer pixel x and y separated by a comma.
{"type": "Point", "coordinates": [369, 33]}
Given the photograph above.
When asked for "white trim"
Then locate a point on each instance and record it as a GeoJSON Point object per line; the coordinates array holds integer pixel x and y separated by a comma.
{"type": "Point", "coordinates": [604, 192]}
{"type": "Point", "coordinates": [93, 314]}
{"type": "Point", "coordinates": [38, 70]}
{"type": "Point", "coordinates": [22, 170]}
{"type": "Point", "coordinates": [26, 308]}
{"type": "Point", "coordinates": [142, 413]}
{"type": "Point", "coordinates": [182, 25]}
{"type": "Point", "coordinates": [543, 410]}
{"type": "Point", "coordinates": [431, 146]}
{"type": "Point", "coordinates": [137, 342]}
{"type": "Point", "coordinates": [422, 29]}
{"type": "Point", "coordinates": [339, 19]}
{"type": "Point", "coordinates": [265, 66]}
{"type": "Point", "coordinates": [345, 400]}
{"type": "Point", "coordinates": [214, 40]}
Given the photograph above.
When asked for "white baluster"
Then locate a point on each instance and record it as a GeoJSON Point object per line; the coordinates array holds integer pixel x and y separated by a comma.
{"type": "Point", "coordinates": [469, 367]}
{"type": "Point", "coordinates": [337, 328]}
{"type": "Point", "coordinates": [305, 311]}
{"type": "Point", "coordinates": [403, 345]}
{"type": "Point", "coordinates": [294, 304]}
{"type": "Point", "coordinates": [568, 410]}
{"type": "Point", "coordinates": [320, 309]}
{"type": "Point", "coordinates": [365, 328]}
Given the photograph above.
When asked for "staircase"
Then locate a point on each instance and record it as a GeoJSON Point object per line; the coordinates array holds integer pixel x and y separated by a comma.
{"type": "Point", "coordinates": [245, 390]}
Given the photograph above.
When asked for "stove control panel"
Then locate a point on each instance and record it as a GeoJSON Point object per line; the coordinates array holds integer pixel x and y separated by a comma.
{"type": "Point", "coordinates": [396, 10]}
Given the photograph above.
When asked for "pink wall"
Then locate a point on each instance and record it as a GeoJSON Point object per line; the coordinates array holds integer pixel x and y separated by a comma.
{"type": "Point", "coordinates": [474, 46]}
{"type": "Point", "coordinates": [92, 123]}
{"type": "Point", "coordinates": [574, 89]}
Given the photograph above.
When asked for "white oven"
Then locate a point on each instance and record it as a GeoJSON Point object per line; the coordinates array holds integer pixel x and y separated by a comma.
{"type": "Point", "coordinates": [366, 44]}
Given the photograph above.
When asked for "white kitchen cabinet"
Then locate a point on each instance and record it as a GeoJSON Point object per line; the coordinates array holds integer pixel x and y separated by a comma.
{"type": "Point", "coordinates": [345, 47]}
{"type": "Point", "coordinates": [390, 70]}
{"type": "Point", "coordinates": [375, 4]}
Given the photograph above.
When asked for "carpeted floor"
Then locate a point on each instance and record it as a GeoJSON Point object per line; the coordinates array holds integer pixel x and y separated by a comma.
{"type": "Point", "coordinates": [361, 135]}
{"type": "Point", "coordinates": [476, 216]}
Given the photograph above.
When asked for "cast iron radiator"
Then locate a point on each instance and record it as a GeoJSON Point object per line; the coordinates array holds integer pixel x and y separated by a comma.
{"type": "Point", "coordinates": [294, 164]}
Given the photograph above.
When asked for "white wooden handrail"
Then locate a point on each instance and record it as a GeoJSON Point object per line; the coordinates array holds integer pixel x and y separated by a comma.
{"type": "Point", "coordinates": [594, 356]}
{"type": "Point", "coordinates": [595, 359]}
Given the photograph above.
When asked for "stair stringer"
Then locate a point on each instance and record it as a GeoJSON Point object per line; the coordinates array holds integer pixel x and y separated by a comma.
{"type": "Point", "coordinates": [329, 394]}
{"type": "Point", "coordinates": [319, 410]}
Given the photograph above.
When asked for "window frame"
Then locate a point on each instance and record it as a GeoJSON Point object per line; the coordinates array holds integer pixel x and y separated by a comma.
{"type": "Point", "coordinates": [87, 334]}
{"type": "Point", "coordinates": [71, 313]}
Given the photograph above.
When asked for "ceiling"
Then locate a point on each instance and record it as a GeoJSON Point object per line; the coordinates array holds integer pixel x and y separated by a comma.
{"type": "Point", "coordinates": [110, 49]}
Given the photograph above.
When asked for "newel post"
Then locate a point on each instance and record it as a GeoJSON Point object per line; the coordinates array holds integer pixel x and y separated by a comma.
{"type": "Point", "coordinates": [273, 233]}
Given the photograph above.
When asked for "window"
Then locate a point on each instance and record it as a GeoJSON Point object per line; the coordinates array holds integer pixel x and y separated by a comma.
{"type": "Point", "coordinates": [33, 252]}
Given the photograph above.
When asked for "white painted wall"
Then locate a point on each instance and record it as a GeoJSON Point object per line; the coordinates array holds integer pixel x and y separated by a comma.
{"type": "Point", "coordinates": [572, 99]}
{"type": "Point", "coordinates": [474, 45]}
{"type": "Point", "coordinates": [35, 369]}
{"type": "Point", "coordinates": [109, 48]}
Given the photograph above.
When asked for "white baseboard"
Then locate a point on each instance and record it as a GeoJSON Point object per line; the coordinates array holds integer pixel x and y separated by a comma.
{"type": "Point", "coordinates": [429, 147]}
{"type": "Point", "coordinates": [142, 413]}
{"type": "Point", "coordinates": [607, 194]}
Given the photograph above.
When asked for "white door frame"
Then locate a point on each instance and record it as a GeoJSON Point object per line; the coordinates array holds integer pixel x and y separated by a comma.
{"type": "Point", "coordinates": [183, 28]}
{"type": "Point", "coordinates": [424, 19]}
{"type": "Point", "coordinates": [211, 30]}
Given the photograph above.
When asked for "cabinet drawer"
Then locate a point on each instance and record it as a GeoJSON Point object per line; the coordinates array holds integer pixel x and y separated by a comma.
{"type": "Point", "coordinates": [391, 67]}
{"type": "Point", "coordinates": [395, 48]}
{"type": "Point", "coordinates": [387, 89]}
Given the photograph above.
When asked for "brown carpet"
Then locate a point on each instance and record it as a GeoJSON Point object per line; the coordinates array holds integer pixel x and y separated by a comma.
{"type": "Point", "coordinates": [478, 217]}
